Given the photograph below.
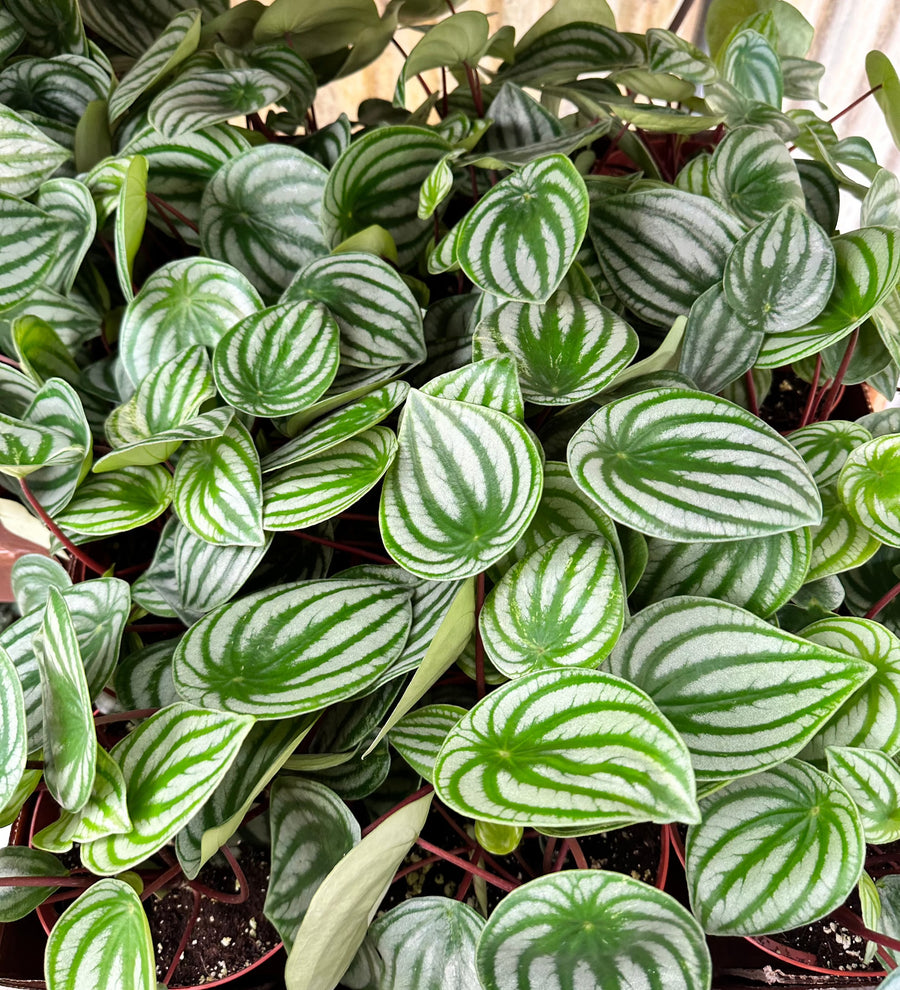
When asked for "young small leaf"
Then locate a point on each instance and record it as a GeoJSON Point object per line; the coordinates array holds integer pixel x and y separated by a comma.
{"type": "Point", "coordinates": [872, 779]}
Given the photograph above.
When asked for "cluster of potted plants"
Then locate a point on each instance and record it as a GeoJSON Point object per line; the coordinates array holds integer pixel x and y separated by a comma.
{"type": "Point", "coordinates": [446, 504]}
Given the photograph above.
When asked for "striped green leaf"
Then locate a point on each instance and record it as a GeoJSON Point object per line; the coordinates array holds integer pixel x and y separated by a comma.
{"type": "Point", "coordinates": [377, 180]}
{"type": "Point", "coordinates": [333, 429]}
{"type": "Point", "coordinates": [72, 319]}
{"type": "Point", "coordinates": [561, 605]}
{"type": "Point", "coordinates": [491, 382]}
{"type": "Point", "coordinates": [283, 61]}
{"type": "Point", "coordinates": [70, 202]}
{"type": "Point", "coordinates": [840, 543]}
{"type": "Point", "coordinates": [820, 192]}
{"type": "Point", "coordinates": [16, 392]}
{"type": "Point", "coordinates": [752, 66]}
{"type": "Point", "coordinates": [642, 459]}
{"type": "Point", "coordinates": [592, 930]}
{"type": "Point", "coordinates": [217, 491]}
{"type": "Point", "coordinates": [183, 303]}
{"type": "Point", "coordinates": [872, 779]}
{"type": "Point", "coordinates": [548, 750]}
{"type": "Point", "coordinates": [54, 91]}
{"type": "Point", "coordinates": [261, 756]}
{"type": "Point", "coordinates": [868, 266]}
{"type": "Point", "coordinates": [566, 350]}
{"type": "Point", "coordinates": [40, 351]}
{"type": "Point", "coordinates": [418, 736]}
{"type": "Point", "coordinates": [826, 446]}
{"type": "Point", "coordinates": [27, 156]}
{"type": "Point", "coordinates": [106, 811]}
{"type": "Point", "coordinates": [51, 27]}
{"type": "Point", "coordinates": [880, 204]}
{"type": "Point", "coordinates": [669, 53]}
{"type": "Point", "coordinates": [25, 449]}
{"type": "Point", "coordinates": [278, 361]}
{"type": "Point", "coordinates": [22, 792]}
{"type": "Point", "coordinates": [462, 490]}
{"type": "Point", "coordinates": [105, 183]}
{"type": "Point", "coordinates": [173, 46]}
{"type": "Point", "coordinates": [742, 694]}
{"type": "Point", "coordinates": [31, 577]}
{"type": "Point", "coordinates": [379, 319]}
{"type": "Point", "coordinates": [759, 575]}
{"type": "Point", "coordinates": [324, 485]}
{"type": "Point", "coordinates": [172, 763]}
{"type": "Point", "coordinates": [427, 943]}
{"type": "Point", "coordinates": [30, 237]}
{"type": "Point", "coordinates": [13, 732]}
{"type": "Point", "coordinates": [261, 213]}
{"type": "Point", "coordinates": [312, 829]}
{"type": "Point", "coordinates": [70, 743]}
{"type": "Point", "coordinates": [495, 245]}
{"type": "Point", "coordinates": [103, 938]}
{"type": "Point", "coordinates": [143, 679]}
{"type": "Point", "coordinates": [20, 861]}
{"type": "Point", "coordinates": [869, 487]}
{"type": "Point", "coordinates": [324, 641]}
{"type": "Point", "coordinates": [632, 233]}
{"type": "Point", "coordinates": [117, 501]}
{"type": "Point", "coordinates": [774, 851]}
{"type": "Point", "coordinates": [780, 275]}
{"type": "Point", "coordinates": [12, 34]}
{"type": "Point", "coordinates": [871, 716]}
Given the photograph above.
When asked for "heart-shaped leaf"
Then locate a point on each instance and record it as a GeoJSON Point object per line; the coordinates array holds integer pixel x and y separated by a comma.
{"type": "Point", "coordinates": [752, 66]}
{"type": "Point", "coordinates": [869, 487]}
{"type": "Point", "coordinates": [118, 501]}
{"type": "Point", "coordinates": [13, 733]}
{"type": "Point", "coordinates": [555, 749]}
{"type": "Point", "coordinates": [774, 851]}
{"type": "Point", "coordinates": [872, 779]}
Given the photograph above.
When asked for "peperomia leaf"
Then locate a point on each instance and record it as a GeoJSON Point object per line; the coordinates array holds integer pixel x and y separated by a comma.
{"type": "Point", "coordinates": [70, 202]}
{"type": "Point", "coordinates": [774, 851]}
{"type": "Point", "coordinates": [418, 736]}
{"type": "Point", "coordinates": [742, 694]}
{"type": "Point", "coordinates": [462, 490]}
{"type": "Point", "coordinates": [323, 641]}
{"type": "Point", "coordinates": [104, 935]}
{"type": "Point", "coordinates": [644, 461]}
{"type": "Point", "coordinates": [171, 763]}
{"type": "Point", "coordinates": [549, 750]}
{"type": "Point", "coordinates": [869, 487]}
{"type": "Point", "coordinates": [118, 501]}
{"type": "Point", "coordinates": [21, 861]}
{"type": "Point", "coordinates": [143, 679]}
{"type": "Point", "coordinates": [25, 449]}
{"type": "Point", "coordinates": [495, 245]}
{"type": "Point", "coordinates": [872, 779]}
{"type": "Point", "coordinates": [561, 605]}
{"type": "Point", "coordinates": [31, 577]}
{"type": "Point", "coordinates": [13, 733]}
{"type": "Point", "coordinates": [312, 829]}
{"type": "Point", "coordinates": [592, 930]}
{"type": "Point", "coordinates": [491, 382]}
{"type": "Point", "coordinates": [27, 154]}
{"type": "Point", "coordinates": [131, 216]}
{"type": "Point", "coordinates": [34, 234]}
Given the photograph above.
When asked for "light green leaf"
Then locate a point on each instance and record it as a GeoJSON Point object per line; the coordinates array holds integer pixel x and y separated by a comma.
{"type": "Point", "coordinates": [13, 733]}
{"type": "Point", "coordinates": [881, 73]}
{"type": "Point", "coordinates": [27, 156]}
{"type": "Point", "coordinates": [21, 861]}
{"type": "Point", "coordinates": [418, 736]}
{"type": "Point", "coordinates": [435, 189]}
{"type": "Point", "coordinates": [869, 487]}
{"type": "Point", "coordinates": [872, 779]}
{"type": "Point", "coordinates": [131, 217]}
{"type": "Point", "coordinates": [460, 38]}
{"type": "Point", "coordinates": [118, 501]}
{"type": "Point", "coordinates": [40, 351]}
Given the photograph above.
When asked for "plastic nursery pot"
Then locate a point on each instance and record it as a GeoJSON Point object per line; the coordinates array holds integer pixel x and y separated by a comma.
{"type": "Point", "coordinates": [263, 973]}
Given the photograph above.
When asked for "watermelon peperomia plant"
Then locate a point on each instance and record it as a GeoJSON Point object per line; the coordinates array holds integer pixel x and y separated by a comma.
{"type": "Point", "coordinates": [444, 486]}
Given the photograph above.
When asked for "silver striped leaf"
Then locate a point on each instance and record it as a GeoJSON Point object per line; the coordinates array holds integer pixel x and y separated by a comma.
{"type": "Point", "coordinates": [217, 490]}
{"type": "Point", "coordinates": [117, 501]}
{"type": "Point", "coordinates": [184, 302]}
{"type": "Point", "coordinates": [462, 490]}
{"type": "Point", "coordinates": [31, 577]}
{"type": "Point", "coordinates": [261, 756]}
{"type": "Point", "coordinates": [25, 449]}
{"type": "Point", "coordinates": [801, 77]}
{"type": "Point", "coordinates": [30, 236]}
{"type": "Point", "coordinates": [872, 779]}
{"type": "Point", "coordinates": [418, 736]}
{"type": "Point", "coordinates": [377, 314]}
{"type": "Point", "coordinates": [178, 40]}
{"type": "Point", "coordinates": [157, 589]}
{"type": "Point", "coordinates": [868, 488]}
{"type": "Point", "coordinates": [102, 939]}
{"type": "Point", "coordinates": [377, 180]}
{"type": "Point", "coordinates": [686, 466]}
{"type": "Point", "coordinates": [632, 233]}
{"type": "Point", "coordinates": [70, 742]}
{"type": "Point", "coordinates": [324, 641]}
{"type": "Point", "coordinates": [56, 90]}
{"type": "Point", "coordinates": [879, 206]}
{"type": "Point", "coordinates": [74, 320]}
{"type": "Point", "coordinates": [312, 830]}
{"type": "Point", "coordinates": [28, 157]}
{"type": "Point", "coordinates": [742, 694]}
{"type": "Point", "coordinates": [774, 851]}
{"type": "Point", "coordinates": [821, 193]}
{"type": "Point", "coordinates": [358, 775]}
{"type": "Point", "coordinates": [105, 183]}
{"type": "Point", "coordinates": [759, 575]}
{"type": "Point", "coordinates": [22, 861]}
{"type": "Point", "coordinates": [840, 542]}
{"type": "Point", "coordinates": [517, 119]}
{"type": "Point", "coordinates": [12, 34]}
{"type": "Point", "coordinates": [868, 266]}
{"type": "Point", "coordinates": [261, 211]}
{"type": "Point", "coordinates": [57, 407]}
{"type": "Point", "coordinates": [427, 943]}
{"type": "Point", "coordinates": [592, 930]}
{"type": "Point", "coordinates": [561, 748]}
{"type": "Point", "coordinates": [871, 716]}
{"type": "Point", "coordinates": [496, 247]}
{"type": "Point", "coordinates": [562, 605]}
{"type": "Point", "coordinates": [491, 382]}
{"type": "Point", "coordinates": [180, 169]}
{"type": "Point", "coordinates": [143, 679]}
{"type": "Point", "coordinates": [172, 763]}
{"type": "Point", "coordinates": [752, 66]}
{"type": "Point", "coordinates": [70, 202]}
{"type": "Point", "coordinates": [106, 811]}
{"type": "Point", "coordinates": [567, 350]}
{"type": "Point", "coordinates": [278, 361]}
{"type": "Point", "coordinates": [13, 733]}
{"type": "Point", "coordinates": [324, 485]}
{"type": "Point", "coordinates": [196, 100]}
{"type": "Point", "coordinates": [694, 175]}
{"type": "Point", "coordinates": [442, 258]}
{"type": "Point", "coordinates": [134, 30]}
{"type": "Point", "coordinates": [780, 274]}
{"type": "Point", "coordinates": [16, 392]}
{"type": "Point", "coordinates": [282, 60]}
{"type": "Point", "coordinates": [826, 446]}
{"type": "Point", "coordinates": [669, 53]}
{"type": "Point", "coordinates": [51, 28]}
{"type": "Point", "coordinates": [338, 426]}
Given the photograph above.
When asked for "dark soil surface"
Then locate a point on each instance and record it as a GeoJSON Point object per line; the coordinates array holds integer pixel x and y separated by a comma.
{"type": "Point", "coordinates": [832, 945]}
{"type": "Point", "coordinates": [783, 407]}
